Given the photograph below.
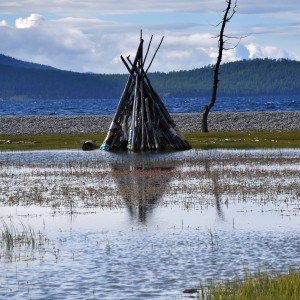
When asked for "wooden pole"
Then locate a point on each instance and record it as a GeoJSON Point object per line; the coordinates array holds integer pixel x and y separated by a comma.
{"type": "Point", "coordinates": [113, 126]}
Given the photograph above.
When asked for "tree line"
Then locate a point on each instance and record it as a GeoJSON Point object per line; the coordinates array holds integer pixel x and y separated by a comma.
{"type": "Point", "coordinates": [242, 78]}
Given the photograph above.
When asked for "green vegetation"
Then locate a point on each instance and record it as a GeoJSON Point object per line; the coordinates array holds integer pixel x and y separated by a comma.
{"type": "Point", "coordinates": [22, 80]}
{"type": "Point", "coordinates": [244, 139]}
{"type": "Point", "coordinates": [21, 242]}
{"type": "Point", "coordinates": [47, 142]}
{"type": "Point", "coordinates": [260, 286]}
{"type": "Point", "coordinates": [200, 140]}
{"type": "Point", "coordinates": [12, 236]}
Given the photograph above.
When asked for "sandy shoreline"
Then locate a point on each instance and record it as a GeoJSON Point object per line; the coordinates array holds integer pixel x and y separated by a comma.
{"type": "Point", "coordinates": [241, 121]}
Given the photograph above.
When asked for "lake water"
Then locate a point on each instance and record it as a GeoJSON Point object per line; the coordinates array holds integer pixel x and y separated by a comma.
{"type": "Point", "coordinates": [136, 226]}
{"type": "Point", "coordinates": [175, 105]}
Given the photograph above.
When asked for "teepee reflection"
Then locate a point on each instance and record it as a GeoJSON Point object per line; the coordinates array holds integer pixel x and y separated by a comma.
{"type": "Point", "coordinates": [142, 185]}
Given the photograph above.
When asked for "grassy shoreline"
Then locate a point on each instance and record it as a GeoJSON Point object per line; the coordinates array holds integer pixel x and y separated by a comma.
{"type": "Point", "coordinates": [198, 140]}
{"type": "Point", "coordinates": [263, 286]}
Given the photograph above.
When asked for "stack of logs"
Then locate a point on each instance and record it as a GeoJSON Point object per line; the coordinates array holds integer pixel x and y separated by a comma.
{"type": "Point", "coordinates": [141, 121]}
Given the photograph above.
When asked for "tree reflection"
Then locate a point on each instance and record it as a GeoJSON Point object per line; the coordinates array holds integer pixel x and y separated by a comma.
{"type": "Point", "coordinates": [142, 185]}
{"type": "Point", "coordinates": [216, 190]}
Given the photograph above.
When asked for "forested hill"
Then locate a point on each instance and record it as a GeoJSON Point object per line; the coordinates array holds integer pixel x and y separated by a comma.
{"type": "Point", "coordinates": [22, 80]}
{"type": "Point", "coordinates": [247, 77]}
{"type": "Point", "coordinates": [13, 62]}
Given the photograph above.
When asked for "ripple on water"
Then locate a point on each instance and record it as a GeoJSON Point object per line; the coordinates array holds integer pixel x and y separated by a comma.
{"type": "Point", "coordinates": [110, 253]}
{"type": "Point", "coordinates": [152, 263]}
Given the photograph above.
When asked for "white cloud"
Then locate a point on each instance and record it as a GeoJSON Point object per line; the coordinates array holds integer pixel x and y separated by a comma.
{"type": "Point", "coordinates": [33, 20]}
{"type": "Point", "coordinates": [3, 23]}
{"type": "Point", "coordinates": [82, 36]}
{"type": "Point", "coordinates": [267, 6]}
{"type": "Point", "coordinates": [94, 45]}
{"type": "Point", "coordinates": [47, 43]}
{"type": "Point", "coordinates": [96, 7]}
{"type": "Point", "coordinates": [292, 15]}
{"type": "Point", "coordinates": [257, 51]}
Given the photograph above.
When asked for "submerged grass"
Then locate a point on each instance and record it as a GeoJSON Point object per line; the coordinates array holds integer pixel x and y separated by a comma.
{"type": "Point", "coordinates": [21, 243]}
{"type": "Point", "coordinates": [210, 140]}
{"type": "Point", "coordinates": [200, 181]}
{"type": "Point", "coordinates": [12, 236]}
{"type": "Point", "coordinates": [260, 286]}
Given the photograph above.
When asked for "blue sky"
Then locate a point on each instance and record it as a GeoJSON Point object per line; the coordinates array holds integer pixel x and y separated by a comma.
{"type": "Point", "coordinates": [90, 35]}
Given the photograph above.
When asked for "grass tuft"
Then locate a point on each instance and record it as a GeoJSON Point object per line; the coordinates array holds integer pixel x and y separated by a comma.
{"type": "Point", "coordinates": [260, 286]}
{"type": "Point", "coordinates": [12, 236]}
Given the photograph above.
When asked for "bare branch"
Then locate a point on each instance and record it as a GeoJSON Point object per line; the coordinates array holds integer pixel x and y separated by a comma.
{"type": "Point", "coordinates": [128, 58]}
{"type": "Point", "coordinates": [233, 12]}
{"type": "Point", "coordinates": [219, 24]}
{"type": "Point", "coordinates": [233, 37]}
{"type": "Point", "coordinates": [126, 65]}
{"type": "Point", "coordinates": [154, 55]}
{"type": "Point", "coordinates": [148, 49]}
{"type": "Point", "coordinates": [231, 48]}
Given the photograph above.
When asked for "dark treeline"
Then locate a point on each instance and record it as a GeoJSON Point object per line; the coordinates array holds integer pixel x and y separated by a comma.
{"type": "Point", "coordinates": [241, 78]}
{"type": "Point", "coordinates": [21, 80]}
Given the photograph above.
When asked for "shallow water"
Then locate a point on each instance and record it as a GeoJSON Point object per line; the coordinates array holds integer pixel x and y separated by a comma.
{"type": "Point", "coordinates": [137, 226]}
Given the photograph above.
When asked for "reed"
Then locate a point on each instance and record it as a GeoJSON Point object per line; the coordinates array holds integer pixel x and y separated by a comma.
{"type": "Point", "coordinates": [260, 286]}
{"type": "Point", "coordinates": [11, 236]}
{"type": "Point", "coordinates": [191, 182]}
{"type": "Point", "coordinates": [213, 239]}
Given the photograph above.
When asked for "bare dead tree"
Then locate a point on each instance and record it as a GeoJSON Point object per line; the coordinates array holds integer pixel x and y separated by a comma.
{"type": "Point", "coordinates": [228, 14]}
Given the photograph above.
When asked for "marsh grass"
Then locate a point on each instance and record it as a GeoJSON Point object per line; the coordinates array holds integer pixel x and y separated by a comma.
{"type": "Point", "coordinates": [47, 142]}
{"type": "Point", "coordinates": [244, 139]}
{"type": "Point", "coordinates": [11, 236]}
{"type": "Point", "coordinates": [200, 181]}
{"type": "Point", "coordinates": [260, 286]}
{"type": "Point", "coordinates": [22, 243]}
{"type": "Point", "coordinates": [213, 237]}
{"type": "Point", "coordinates": [210, 140]}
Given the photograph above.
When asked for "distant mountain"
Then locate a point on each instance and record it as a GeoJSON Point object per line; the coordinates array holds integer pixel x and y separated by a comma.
{"type": "Point", "coordinates": [240, 78]}
{"type": "Point", "coordinates": [24, 80]}
{"type": "Point", "coordinates": [13, 62]}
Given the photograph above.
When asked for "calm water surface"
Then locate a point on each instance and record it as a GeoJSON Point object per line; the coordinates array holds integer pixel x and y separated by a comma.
{"type": "Point", "coordinates": [122, 226]}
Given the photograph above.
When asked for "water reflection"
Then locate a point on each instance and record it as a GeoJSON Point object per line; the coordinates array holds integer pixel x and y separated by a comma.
{"type": "Point", "coordinates": [216, 191]}
{"type": "Point", "coordinates": [142, 185]}
{"type": "Point", "coordinates": [99, 254]}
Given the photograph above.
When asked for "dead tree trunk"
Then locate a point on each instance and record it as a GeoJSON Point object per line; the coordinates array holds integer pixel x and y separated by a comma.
{"type": "Point", "coordinates": [226, 18]}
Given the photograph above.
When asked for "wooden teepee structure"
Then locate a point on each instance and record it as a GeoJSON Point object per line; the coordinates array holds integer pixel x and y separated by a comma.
{"type": "Point", "coordinates": [141, 121]}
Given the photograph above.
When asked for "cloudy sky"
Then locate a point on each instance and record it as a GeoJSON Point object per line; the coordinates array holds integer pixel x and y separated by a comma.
{"type": "Point", "coordinates": [90, 35]}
